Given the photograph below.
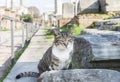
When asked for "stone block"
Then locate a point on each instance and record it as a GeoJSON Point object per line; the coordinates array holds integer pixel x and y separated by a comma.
{"type": "Point", "coordinates": [109, 5]}
{"type": "Point", "coordinates": [81, 75]}
{"type": "Point", "coordinates": [68, 10]}
{"type": "Point", "coordinates": [89, 6]}
{"type": "Point", "coordinates": [103, 50]}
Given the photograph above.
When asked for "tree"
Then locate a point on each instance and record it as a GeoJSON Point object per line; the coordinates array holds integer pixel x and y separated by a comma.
{"type": "Point", "coordinates": [34, 11]}
{"type": "Point", "coordinates": [26, 18]}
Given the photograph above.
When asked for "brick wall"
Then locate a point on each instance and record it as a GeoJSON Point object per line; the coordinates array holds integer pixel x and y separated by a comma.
{"type": "Point", "coordinates": [63, 21]}
{"type": "Point", "coordinates": [84, 20]}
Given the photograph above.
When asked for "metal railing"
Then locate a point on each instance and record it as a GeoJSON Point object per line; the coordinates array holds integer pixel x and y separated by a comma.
{"type": "Point", "coordinates": [28, 30]}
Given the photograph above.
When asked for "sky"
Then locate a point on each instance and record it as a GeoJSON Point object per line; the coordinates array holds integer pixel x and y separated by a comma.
{"type": "Point", "coordinates": [42, 5]}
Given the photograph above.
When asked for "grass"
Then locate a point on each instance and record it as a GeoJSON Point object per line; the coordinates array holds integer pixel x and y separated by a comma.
{"type": "Point", "coordinates": [6, 73]}
{"type": "Point", "coordinates": [3, 29]}
{"type": "Point", "coordinates": [15, 59]}
{"type": "Point", "coordinates": [21, 51]}
{"type": "Point", "coordinates": [48, 35]}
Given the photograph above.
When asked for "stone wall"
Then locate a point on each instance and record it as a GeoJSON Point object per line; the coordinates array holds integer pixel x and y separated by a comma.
{"type": "Point", "coordinates": [63, 22]}
{"type": "Point", "coordinates": [85, 20]}
{"type": "Point", "coordinates": [109, 5]}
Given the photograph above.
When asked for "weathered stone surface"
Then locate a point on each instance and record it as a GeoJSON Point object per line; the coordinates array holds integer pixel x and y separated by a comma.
{"type": "Point", "coordinates": [103, 50]}
{"type": "Point", "coordinates": [109, 5]}
{"type": "Point", "coordinates": [68, 10]}
{"type": "Point", "coordinates": [111, 24]}
{"type": "Point", "coordinates": [88, 6]}
{"type": "Point", "coordinates": [104, 47]}
{"type": "Point", "coordinates": [100, 32]}
{"type": "Point", "coordinates": [81, 75]}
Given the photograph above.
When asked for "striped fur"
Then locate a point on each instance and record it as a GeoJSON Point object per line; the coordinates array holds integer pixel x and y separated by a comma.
{"type": "Point", "coordinates": [28, 74]}
{"type": "Point", "coordinates": [51, 61]}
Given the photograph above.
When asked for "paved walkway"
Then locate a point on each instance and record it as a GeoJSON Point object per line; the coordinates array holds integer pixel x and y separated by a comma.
{"type": "Point", "coordinates": [30, 58]}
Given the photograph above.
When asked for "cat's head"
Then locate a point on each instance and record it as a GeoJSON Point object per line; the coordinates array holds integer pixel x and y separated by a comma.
{"type": "Point", "coordinates": [63, 39]}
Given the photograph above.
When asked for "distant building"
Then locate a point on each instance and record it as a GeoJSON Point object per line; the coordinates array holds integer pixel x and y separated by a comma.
{"type": "Point", "coordinates": [58, 7]}
{"type": "Point", "coordinates": [8, 5]}
{"type": "Point", "coordinates": [10, 10]}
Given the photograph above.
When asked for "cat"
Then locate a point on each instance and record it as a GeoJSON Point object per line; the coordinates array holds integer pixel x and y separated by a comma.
{"type": "Point", "coordinates": [57, 57]}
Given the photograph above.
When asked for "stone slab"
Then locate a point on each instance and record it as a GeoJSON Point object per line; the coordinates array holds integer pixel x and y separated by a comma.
{"type": "Point", "coordinates": [107, 43]}
{"type": "Point", "coordinates": [104, 48]}
{"type": "Point", "coordinates": [111, 24]}
{"type": "Point", "coordinates": [97, 49]}
{"type": "Point", "coordinates": [81, 75]}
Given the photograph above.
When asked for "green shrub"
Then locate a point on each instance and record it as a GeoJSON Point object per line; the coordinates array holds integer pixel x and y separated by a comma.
{"type": "Point", "coordinates": [76, 29]}
{"type": "Point", "coordinates": [26, 18]}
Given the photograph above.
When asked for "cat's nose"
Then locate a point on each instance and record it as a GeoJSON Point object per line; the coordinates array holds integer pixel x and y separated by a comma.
{"type": "Point", "coordinates": [65, 44]}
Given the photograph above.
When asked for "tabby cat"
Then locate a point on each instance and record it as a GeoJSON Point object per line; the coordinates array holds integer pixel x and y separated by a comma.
{"type": "Point", "coordinates": [57, 57]}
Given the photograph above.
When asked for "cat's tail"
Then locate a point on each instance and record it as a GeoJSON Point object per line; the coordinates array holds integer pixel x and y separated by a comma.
{"type": "Point", "coordinates": [28, 74]}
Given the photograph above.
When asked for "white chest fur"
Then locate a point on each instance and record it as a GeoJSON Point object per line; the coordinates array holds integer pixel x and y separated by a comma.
{"type": "Point", "coordinates": [63, 55]}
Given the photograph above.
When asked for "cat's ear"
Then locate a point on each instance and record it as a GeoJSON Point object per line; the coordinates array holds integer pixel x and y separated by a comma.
{"type": "Point", "coordinates": [56, 32]}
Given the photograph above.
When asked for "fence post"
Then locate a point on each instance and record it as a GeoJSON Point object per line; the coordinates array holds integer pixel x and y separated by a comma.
{"type": "Point", "coordinates": [26, 26]}
{"type": "Point", "coordinates": [12, 42]}
{"type": "Point", "coordinates": [23, 39]}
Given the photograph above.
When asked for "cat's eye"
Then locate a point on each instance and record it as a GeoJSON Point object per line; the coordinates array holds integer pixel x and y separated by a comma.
{"type": "Point", "coordinates": [70, 40]}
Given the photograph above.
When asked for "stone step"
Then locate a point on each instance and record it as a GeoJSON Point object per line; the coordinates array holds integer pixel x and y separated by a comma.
{"type": "Point", "coordinates": [111, 24]}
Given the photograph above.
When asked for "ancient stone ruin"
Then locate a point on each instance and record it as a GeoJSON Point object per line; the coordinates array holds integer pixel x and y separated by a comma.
{"type": "Point", "coordinates": [110, 24]}
{"type": "Point", "coordinates": [97, 49]}
{"type": "Point", "coordinates": [81, 75]}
